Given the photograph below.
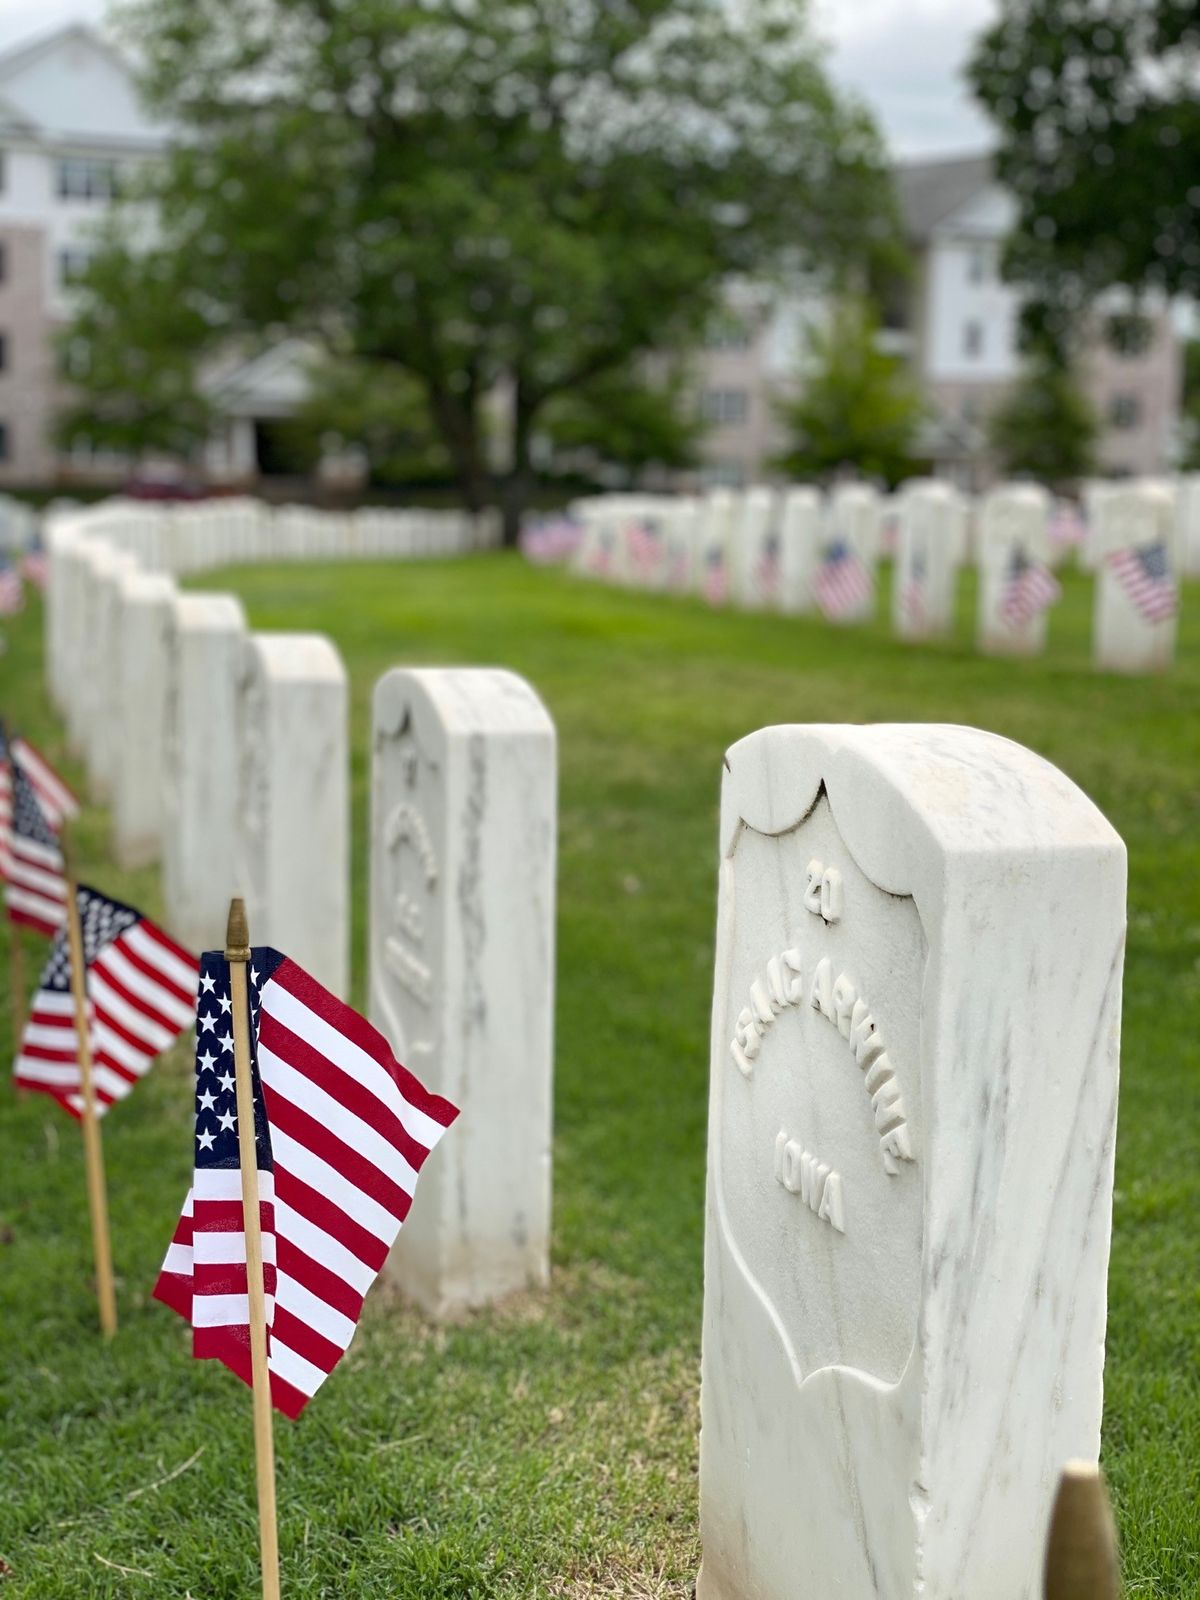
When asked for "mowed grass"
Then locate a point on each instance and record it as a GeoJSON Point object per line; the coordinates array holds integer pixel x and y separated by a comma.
{"type": "Point", "coordinates": [549, 1447]}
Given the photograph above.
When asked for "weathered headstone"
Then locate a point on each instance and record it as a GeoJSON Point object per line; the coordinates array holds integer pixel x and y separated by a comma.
{"type": "Point", "coordinates": [923, 576]}
{"type": "Point", "coordinates": [856, 513]}
{"type": "Point", "coordinates": [757, 567]}
{"type": "Point", "coordinates": [141, 673]}
{"type": "Point", "coordinates": [1187, 510]}
{"type": "Point", "coordinates": [103, 735]}
{"type": "Point", "coordinates": [207, 636]}
{"type": "Point", "coordinates": [712, 566]}
{"type": "Point", "coordinates": [682, 526]}
{"type": "Point", "coordinates": [1016, 586]}
{"type": "Point", "coordinates": [462, 965]}
{"type": "Point", "coordinates": [1137, 578]}
{"type": "Point", "coordinates": [911, 1132]}
{"type": "Point", "coordinates": [292, 861]}
{"type": "Point", "coordinates": [802, 519]}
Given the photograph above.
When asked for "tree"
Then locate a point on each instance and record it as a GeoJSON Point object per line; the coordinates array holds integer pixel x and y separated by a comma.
{"type": "Point", "coordinates": [1099, 125]}
{"type": "Point", "coordinates": [523, 195]}
{"type": "Point", "coordinates": [627, 420]}
{"type": "Point", "coordinates": [381, 409]}
{"type": "Point", "coordinates": [130, 354]}
{"type": "Point", "coordinates": [1045, 427]}
{"type": "Point", "coordinates": [857, 407]}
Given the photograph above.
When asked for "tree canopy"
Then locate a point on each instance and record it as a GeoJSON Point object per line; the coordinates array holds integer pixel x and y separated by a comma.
{"type": "Point", "coordinates": [857, 405]}
{"type": "Point", "coordinates": [1099, 122]}
{"type": "Point", "coordinates": [525, 195]}
{"type": "Point", "coordinates": [1045, 426]}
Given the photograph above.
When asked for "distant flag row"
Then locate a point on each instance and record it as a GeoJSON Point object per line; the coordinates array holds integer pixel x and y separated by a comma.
{"type": "Point", "coordinates": [546, 540]}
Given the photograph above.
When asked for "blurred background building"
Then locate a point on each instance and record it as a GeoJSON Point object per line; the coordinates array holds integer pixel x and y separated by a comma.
{"type": "Point", "coordinates": [72, 131]}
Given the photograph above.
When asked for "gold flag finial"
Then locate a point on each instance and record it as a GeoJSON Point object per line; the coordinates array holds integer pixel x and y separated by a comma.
{"type": "Point", "coordinates": [237, 932]}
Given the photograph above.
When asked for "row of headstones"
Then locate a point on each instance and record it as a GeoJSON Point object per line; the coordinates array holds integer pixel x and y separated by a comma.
{"type": "Point", "coordinates": [197, 535]}
{"type": "Point", "coordinates": [18, 524]}
{"type": "Point", "coordinates": [909, 1192]}
{"type": "Point", "coordinates": [224, 754]}
{"type": "Point", "coordinates": [767, 550]}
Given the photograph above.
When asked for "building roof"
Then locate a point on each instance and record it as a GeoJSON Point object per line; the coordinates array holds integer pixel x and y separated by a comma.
{"type": "Point", "coordinates": [72, 86]}
{"type": "Point", "coordinates": [931, 191]}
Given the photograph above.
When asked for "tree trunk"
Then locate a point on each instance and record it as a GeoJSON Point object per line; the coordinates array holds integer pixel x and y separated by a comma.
{"type": "Point", "coordinates": [457, 420]}
{"type": "Point", "coordinates": [516, 488]}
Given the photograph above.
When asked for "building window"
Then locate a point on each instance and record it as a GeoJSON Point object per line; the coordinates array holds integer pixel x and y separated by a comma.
{"type": "Point", "coordinates": [973, 340]}
{"type": "Point", "coordinates": [1124, 411]}
{"type": "Point", "coordinates": [3, 352]}
{"type": "Point", "coordinates": [72, 264]}
{"type": "Point", "coordinates": [85, 178]}
{"type": "Point", "coordinates": [3, 263]}
{"type": "Point", "coordinates": [3, 441]}
{"type": "Point", "coordinates": [1129, 335]}
{"type": "Point", "coordinates": [978, 263]}
{"type": "Point", "coordinates": [725, 408]}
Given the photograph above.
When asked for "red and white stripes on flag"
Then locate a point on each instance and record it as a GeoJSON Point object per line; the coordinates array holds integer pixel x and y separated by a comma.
{"type": "Point", "coordinates": [1029, 589]}
{"type": "Point", "coordinates": [342, 1131]}
{"type": "Point", "coordinates": [35, 885]}
{"type": "Point", "coordinates": [57, 802]}
{"type": "Point", "coordinates": [141, 992]}
{"type": "Point", "coordinates": [1145, 575]}
{"type": "Point", "coordinates": [842, 584]}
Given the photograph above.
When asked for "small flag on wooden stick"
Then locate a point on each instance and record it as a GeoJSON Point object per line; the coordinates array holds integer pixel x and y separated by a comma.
{"type": "Point", "coordinates": [141, 995]}
{"type": "Point", "coordinates": [309, 1139]}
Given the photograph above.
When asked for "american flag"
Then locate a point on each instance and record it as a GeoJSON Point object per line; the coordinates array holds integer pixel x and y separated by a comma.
{"type": "Point", "coordinates": [35, 568]}
{"type": "Point", "coordinates": [550, 539]}
{"type": "Point", "coordinates": [35, 888]}
{"type": "Point", "coordinates": [1145, 575]}
{"type": "Point", "coordinates": [1029, 588]}
{"type": "Point", "coordinates": [141, 990]}
{"type": "Point", "coordinates": [58, 803]}
{"type": "Point", "coordinates": [341, 1131]}
{"type": "Point", "coordinates": [12, 593]}
{"type": "Point", "coordinates": [716, 579]}
{"type": "Point", "coordinates": [643, 543]}
{"type": "Point", "coordinates": [842, 583]}
{"type": "Point", "coordinates": [768, 572]}
{"type": "Point", "coordinates": [912, 595]}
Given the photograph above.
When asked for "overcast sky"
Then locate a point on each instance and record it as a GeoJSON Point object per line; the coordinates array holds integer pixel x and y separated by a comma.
{"type": "Point", "coordinates": [903, 56]}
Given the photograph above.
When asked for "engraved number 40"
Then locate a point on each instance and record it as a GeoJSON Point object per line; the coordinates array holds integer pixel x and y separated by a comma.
{"type": "Point", "coordinates": [823, 896]}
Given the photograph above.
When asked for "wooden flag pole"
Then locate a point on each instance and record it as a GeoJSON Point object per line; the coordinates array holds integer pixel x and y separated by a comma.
{"type": "Point", "coordinates": [1081, 1548]}
{"type": "Point", "coordinates": [237, 953]}
{"type": "Point", "coordinates": [93, 1152]}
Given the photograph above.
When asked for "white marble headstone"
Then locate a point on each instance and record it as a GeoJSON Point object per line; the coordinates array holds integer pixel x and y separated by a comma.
{"type": "Point", "coordinates": [1014, 545]}
{"type": "Point", "coordinates": [1187, 510]}
{"type": "Point", "coordinates": [756, 564]}
{"type": "Point", "coordinates": [200, 765]}
{"type": "Point", "coordinates": [682, 525]}
{"type": "Point", "coordinates": [1137, 578]}
{"type": "Point", "coordinates": [925, 568]}
{"type": "Point", "coordinates": [713, 540]}
{"type": "Point", "coordinates": [911, 1131]}
{"type": "Point", "coordinates": [142, 668]}
{"type": "Point", "coordinates": [802, 519]}
{"type": "Point", "coordinates": [856, 513]}
{"type": "Point", "coordinates": [462, 965]}
{"type": "Point", "coordinates": [292, 861]}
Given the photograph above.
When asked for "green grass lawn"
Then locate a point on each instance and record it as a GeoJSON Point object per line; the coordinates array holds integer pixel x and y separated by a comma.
{"type": "Point", "coordinates": [550, 1447]}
